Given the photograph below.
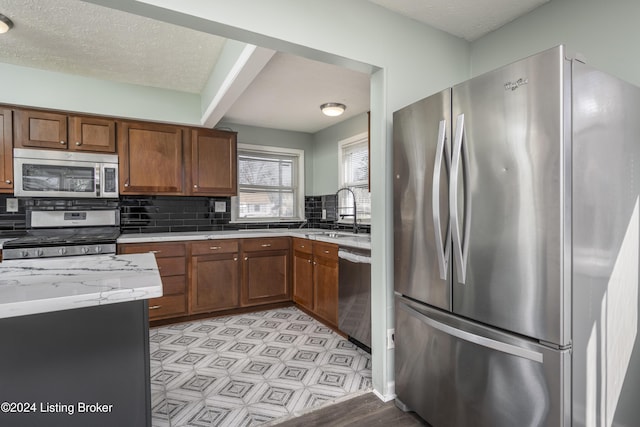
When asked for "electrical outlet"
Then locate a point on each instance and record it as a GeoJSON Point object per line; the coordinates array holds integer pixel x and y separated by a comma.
{"type": "Point", "coordinates": [324, 214]}
{"type": "Point", "coordinates": [391, 338]}
{"type": "Point", "coordinates": [221, 207]}
{"type": "Point", "coordinates": [12, 205]}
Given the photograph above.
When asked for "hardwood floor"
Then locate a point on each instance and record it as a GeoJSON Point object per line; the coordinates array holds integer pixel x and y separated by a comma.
{"type": "Point", "coordinates": [365, 410]}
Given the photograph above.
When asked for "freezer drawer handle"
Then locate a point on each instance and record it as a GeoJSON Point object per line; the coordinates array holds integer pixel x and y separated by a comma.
{"type": "Point", "coordinates": [441, 152]}
{"type": "Point", "coordinates": [460, 242]}
{"type": "Point", "coordinates": [476, 339]}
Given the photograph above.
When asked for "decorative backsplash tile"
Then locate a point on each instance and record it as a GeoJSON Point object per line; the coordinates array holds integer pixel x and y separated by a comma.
{"type": "Point", "coordinates": [163, 214]}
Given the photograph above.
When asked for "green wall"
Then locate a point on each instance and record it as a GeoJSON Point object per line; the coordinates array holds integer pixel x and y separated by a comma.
{"type": "Point", "coordinates": [606, 33]}
{"type": "Point", "coordinates": [325, 153]}
{"type": "Point", "coordinates": [278, 138]}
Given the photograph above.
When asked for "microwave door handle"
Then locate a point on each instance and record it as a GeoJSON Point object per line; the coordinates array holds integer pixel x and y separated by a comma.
{"type": "Point", "coordinates": [99, 171]}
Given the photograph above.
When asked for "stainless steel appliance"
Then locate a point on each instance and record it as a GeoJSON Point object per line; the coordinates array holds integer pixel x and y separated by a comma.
{"type": "Point", "coordinates": [48, 173]}
{"type": "Point", "coordinates": [58, 233]}
{"type": "Point", "coordinates": [516, 246]}
{"type": "Point", "coordinates": [354, 294]}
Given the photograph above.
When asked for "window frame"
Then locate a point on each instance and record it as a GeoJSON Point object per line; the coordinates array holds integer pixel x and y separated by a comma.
{"type": "Point", "coordinates": [298, 183]}
{"type": "Point", "coordinates": [361, 138]}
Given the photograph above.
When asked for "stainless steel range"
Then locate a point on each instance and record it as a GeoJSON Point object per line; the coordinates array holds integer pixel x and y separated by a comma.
{"type": "Point", "coordinates": [58, 233]}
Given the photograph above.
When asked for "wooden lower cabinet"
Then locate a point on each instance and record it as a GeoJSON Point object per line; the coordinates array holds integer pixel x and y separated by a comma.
{"type": "Point", "coordinates": [302, 272]}
{"type": "Point", "coordinates": [215, 276]}
{"type": "Point", "coordinates": [315, 278]}
{"type": "Point", "coordinates": [172, 263]}
{"type": "Point", "coordinates": [325, 280]}
{"type": "Point", "coordinates": [266, 271]}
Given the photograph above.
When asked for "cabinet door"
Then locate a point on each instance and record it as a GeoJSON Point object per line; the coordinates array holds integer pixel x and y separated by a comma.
{"type": "Point", "coordinates": [266, 271]}
{"type": "Point", "coordinates": [213, 163]}
{"type": "Point", "coordinates": [215, 282]}
{"type": "Point", "coordinates": [303, 273]}
{"type": "Point", "coordinates": [325, 276]}
{"type": "Point", "coordinates": [150, 159]}
{"type": "Point", "coordinates": [38, 129]}
{"type": "Point", "coordinates": [92, 134]}
{"type": "Point", "coordinates": [6, 152]}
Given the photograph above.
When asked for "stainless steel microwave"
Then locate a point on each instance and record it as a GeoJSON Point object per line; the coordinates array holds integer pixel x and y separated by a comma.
{"type": "Point", "coordinates": [48, 173]}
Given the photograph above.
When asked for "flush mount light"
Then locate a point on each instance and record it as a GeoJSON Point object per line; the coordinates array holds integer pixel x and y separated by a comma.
{"type": "Point", "coordinates": [332, 109]}
{"type": "Point", "coordinates": [5, 24]}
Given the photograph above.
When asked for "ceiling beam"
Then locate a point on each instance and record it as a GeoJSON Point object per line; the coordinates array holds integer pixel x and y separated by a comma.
{"type": "Point", "coordinates": [238, 65]}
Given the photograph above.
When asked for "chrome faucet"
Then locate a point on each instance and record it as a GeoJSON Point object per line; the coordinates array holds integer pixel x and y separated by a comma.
{"type": "Point", "coordinates": [355, 221]}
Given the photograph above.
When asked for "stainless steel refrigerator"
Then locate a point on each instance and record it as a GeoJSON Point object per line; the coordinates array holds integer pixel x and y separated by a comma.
{"type": "Point", "coordinates": [516, 249]}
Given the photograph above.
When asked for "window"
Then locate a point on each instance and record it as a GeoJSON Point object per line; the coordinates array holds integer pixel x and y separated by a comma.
{"type": "Point", "coordinates": [270, 184]}
{"type": "Point", "coordinates": [354, 174]}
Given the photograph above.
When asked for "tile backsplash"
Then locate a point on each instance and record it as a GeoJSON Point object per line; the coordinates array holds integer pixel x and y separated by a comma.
{"type": "Point", "coordinates": [162, 214]}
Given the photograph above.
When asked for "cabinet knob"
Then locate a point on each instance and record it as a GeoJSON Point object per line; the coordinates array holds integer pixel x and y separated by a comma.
{"type": "Point", "coordinates": [309, 261]}
{"type": "Point", "coordinates": [155, 307]}
{"type": "Point", "coordinates": [126, 184]}
{"type": "Point", "coordinates": [78, 143]}
{"type": "Point", "coordinates": [214, 248]}
{"type": "Point", "coordinates": [235, 258]}
{"type": "Point", "coordinates": [266, 245]}
{"type": "Point", "coordinates": [326, 252]}
{"type": "Point", "coordinates": [246, 258]}
{"type": "Point", "coordinates": [8, 181]}
{"type": "Point", "coordinates": [62, 142]}
{"type": "Point", "coordinates": [195, 185]}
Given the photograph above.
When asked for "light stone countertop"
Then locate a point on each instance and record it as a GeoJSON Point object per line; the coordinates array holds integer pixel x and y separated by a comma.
{"type": "Point", "coordinates": [54, 284]}
{"type": "Point", "coordinates": [342, 238]}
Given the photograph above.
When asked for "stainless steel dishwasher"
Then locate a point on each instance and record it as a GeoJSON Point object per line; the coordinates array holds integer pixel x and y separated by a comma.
{"type": "Point", "coordinates": [354, 295]}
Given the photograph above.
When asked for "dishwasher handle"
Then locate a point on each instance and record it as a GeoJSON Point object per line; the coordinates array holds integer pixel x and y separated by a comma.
{"type": "Point", "coordinates": [354, 257]}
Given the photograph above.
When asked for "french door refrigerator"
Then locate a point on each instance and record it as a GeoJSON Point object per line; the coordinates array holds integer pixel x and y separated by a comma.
{"type": "Point", "coordinates": [516, 249]}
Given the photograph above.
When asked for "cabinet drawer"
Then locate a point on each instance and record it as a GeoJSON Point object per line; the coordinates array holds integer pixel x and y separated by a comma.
{"type": "Point", "coordinates": [159, 249]}
{"type": "Point", "coordinates": [325, 250]}
{"type": "Point", "coordinates": [275, 243]}
{"type": "Point", "coordinates": [173, 285]}
{"type": "Point", "coordinates": [214, 247]}
{"type": "Point", "coordinates": [302, 245]}
{"type": "Point", "coordinates": [167, 306]}
{"type": "Point", "coordinates": [171, 266]}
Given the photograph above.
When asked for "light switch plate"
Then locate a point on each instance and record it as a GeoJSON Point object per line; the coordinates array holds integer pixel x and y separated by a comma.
{"type": "Point", "coordinates": [221, 206]}
{"type": "Point", "coordinates": [12, 205]}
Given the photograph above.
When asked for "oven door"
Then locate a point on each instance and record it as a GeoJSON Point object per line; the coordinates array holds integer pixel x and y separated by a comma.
{"type": "Point", "coordinates": [56, 178]}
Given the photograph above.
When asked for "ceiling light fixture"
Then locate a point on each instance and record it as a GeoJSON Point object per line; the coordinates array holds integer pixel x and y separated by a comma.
{"type": "Point", "coordinates": [5, 24]}
{"type": "Point", "coordinates": [332, 109]}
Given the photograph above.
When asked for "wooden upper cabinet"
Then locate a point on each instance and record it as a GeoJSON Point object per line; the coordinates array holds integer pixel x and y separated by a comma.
{"type": "Point", "coordinates": [58, 131]}
{"type": "Point", "coordinates": [6, 152]}
{"type": "Point", "coordinates": [213, 163]}
{"type": "Point", "coordinates": [151, 158]}
{"type": "Point", "coordinates": [92, 134]}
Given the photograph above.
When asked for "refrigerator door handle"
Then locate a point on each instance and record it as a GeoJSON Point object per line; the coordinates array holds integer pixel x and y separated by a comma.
{"type": "Point", "coordinates": [441, 152]}
{"type": "Point", "coordinates": [460, 241]}
{"type": "Point", "coordinates": [476, 339]}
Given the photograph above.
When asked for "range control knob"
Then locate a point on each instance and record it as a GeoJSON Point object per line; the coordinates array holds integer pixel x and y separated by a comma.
{"type": "Point", "coordinates": [98, 249]}
{"type": "Point", "coordinates": [24, 254]}
{"type": "Point", "coordinates": [62, 251]}
{"type": "Point", "coordinates": [85, 250]}
{"type": "Point", "coordinates": [39, 252]}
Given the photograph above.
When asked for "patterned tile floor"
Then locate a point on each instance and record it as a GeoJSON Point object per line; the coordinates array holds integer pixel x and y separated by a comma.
{"type": "Point", "coordinates": [250, 369]}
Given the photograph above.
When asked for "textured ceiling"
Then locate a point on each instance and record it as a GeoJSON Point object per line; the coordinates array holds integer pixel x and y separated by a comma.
{"type": "Point", "coordinates": [75, 37]}
{"type": "Point", "coordinates": [468, 19]}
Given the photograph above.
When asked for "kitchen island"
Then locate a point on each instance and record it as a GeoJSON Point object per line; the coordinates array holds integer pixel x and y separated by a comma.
{"type": "Point", "coordinates": [75, 333]}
